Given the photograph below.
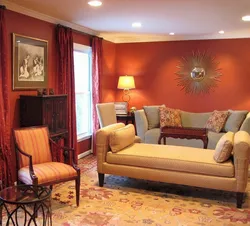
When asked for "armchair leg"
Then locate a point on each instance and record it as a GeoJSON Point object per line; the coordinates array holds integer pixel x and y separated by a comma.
{"type": "Point", "coordinates": [101, 179]}
{"type": "Point", "coordinates": [239, 197]}
{"type": "Point", "coordinates": [77, 182]}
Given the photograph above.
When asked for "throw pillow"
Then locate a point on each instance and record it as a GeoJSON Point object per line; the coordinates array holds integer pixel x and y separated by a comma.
{"type": "Point", "coordinates": [224, 147]}
{"type": "Point", "coordinates": [152, 113]}
{"type": "Point", "coordinates": [121, 138]}
{"type": "Point", "coordinates": [234, 120]}
{"type": "Point", "coordinates": [170, 117]}
{"type": "Point", "coordinates": [216, 121]}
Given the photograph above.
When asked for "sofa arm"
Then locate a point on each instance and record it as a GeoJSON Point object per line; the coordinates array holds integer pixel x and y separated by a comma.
{"type": "Point", "coordinates": [102, 143]}
{"type": "Point", "coordinates": [246, 124]}
{"type": "Point", "coordinates": [241, 154]}
{"type": "Point", "coordinates": [141, 123]}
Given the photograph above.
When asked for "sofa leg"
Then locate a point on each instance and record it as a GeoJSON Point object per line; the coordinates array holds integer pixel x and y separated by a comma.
{"type": "Point", "coordinates": [101, 179]}
{"type": "Point", "coordinates": [239, 197]}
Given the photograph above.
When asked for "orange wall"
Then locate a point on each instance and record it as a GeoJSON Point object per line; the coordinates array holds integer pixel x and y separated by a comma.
{"type": "Point", "coordinates": [108, 79]}
{"type": "Point", "coordinates": [154, 66]}
{"type": "Point", "coordinates": [28, 26]}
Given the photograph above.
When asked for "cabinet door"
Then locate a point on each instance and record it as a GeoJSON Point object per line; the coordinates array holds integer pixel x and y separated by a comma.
{"type": "Point", "coordinates": [60, 113]}
{"type": "Point", "coordinates": [48, 117]}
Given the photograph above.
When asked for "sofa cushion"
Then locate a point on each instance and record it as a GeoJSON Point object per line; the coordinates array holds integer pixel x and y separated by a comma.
{"type": "Point", "coordinates": [213, 139]}
{"type": "Point", "coordinates": [122, 138]}
{"type": "Point", "coordinates": [234, 120]}
{"type": "Point", "coordinates": [224, 147]}
{"type": "Point", "coordinates": [198, 120]}
{"type": "Point", "coordinates": [217, 120]}
{"type": "Point", "coordinates": [170, 117]}
{"type": "Point", "coordinates": [174, 158]}
{"type": "Point", "coordinates": [152, 113]}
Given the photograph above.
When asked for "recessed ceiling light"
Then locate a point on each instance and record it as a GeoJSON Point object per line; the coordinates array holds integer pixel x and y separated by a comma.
{"type": "Point", "coordinates": [136, 24]}
{"type": "Point", "coordinates": [246, 18]}
{"type": "Point", "coordinates": [221, 32]}
{"type": "Point", "coordinates": [95, 3]}
{"type": "Point", "coordinates": [171, 33]}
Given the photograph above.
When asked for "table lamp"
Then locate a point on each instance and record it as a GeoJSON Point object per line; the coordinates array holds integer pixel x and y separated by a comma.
{"type": "Point", "coordinates": [126, 83]}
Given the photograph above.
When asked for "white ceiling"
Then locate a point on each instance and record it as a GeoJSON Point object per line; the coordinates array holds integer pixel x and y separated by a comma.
{"type": "Point", "coordinates": [188, 19]}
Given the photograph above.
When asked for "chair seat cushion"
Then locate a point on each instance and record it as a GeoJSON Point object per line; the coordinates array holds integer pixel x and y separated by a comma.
{"type": "Point", "coordinates": [47, 172]}
{"type": "Point", "coordinates": [174, 158]}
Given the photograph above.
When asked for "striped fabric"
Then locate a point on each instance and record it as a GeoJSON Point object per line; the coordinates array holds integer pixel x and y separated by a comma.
{"type": "Point", "coordinates": [35, 142]}
{"type": "Point", "coordinates": [47, 172]}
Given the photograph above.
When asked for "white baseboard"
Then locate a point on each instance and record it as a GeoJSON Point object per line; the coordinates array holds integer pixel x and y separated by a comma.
{"type": "Point", "coordinates": [84, 154]}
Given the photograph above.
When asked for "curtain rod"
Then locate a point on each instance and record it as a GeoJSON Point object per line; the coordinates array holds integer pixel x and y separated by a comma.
{"type": "Point", "coordinates": [2, 7]}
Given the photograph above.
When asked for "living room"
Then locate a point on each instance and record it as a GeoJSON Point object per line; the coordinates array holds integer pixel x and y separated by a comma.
{"type": "Point", "coordinates": [153, 63]}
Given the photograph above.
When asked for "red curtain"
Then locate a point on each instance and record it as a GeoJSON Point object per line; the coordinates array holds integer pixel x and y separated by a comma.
{"type": "Point", "coordinates": [5, 151]}
{"type": "Point", "coordinates": [66, 79]}
{"type": "Point", "coordinates": [96, 74]}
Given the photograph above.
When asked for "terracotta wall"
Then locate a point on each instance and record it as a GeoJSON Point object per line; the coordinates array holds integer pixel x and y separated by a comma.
{"type": "Point", "coordinates": [154, 66]}
{"type": "Point", "coordinates": [25, 25]}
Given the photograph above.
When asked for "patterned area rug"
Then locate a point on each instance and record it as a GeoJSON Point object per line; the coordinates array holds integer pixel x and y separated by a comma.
{"type": "Point", "coordinates": [127, 201]}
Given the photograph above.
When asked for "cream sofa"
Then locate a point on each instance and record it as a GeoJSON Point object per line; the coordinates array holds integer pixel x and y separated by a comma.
{"type": "Point", "coordinates": [148, 126]}
{"type": "Point", "coordinates": [175, 164]}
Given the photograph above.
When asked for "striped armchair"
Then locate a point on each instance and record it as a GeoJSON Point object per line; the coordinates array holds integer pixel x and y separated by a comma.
{"type": "Point", "coordinates": [34, 160]}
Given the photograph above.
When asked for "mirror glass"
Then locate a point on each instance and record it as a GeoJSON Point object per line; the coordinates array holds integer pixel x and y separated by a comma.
{"type": "Point", "coordinates": [198, 73]}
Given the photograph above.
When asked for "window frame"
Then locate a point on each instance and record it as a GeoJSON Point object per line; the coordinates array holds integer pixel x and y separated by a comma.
{"type": "Point", "coordinates": [86, 49]}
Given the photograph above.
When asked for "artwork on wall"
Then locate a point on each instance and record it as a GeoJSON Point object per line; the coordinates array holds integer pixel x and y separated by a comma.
{"type": "Point", "coordinates": [198, 73]}
{"type": "Point", "coordinates": [30, 57]}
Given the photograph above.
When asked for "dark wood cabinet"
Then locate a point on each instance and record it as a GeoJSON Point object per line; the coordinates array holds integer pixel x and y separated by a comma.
{"type": "Point", "coordinates": [45, 110]}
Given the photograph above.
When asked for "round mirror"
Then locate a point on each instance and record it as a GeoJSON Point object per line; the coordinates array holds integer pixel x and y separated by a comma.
{"type": "Point", "coordinates": [198, 73]}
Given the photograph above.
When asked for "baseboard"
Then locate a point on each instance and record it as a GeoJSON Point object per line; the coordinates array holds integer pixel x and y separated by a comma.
{"type": "Point", "coordinates": [84, 154]}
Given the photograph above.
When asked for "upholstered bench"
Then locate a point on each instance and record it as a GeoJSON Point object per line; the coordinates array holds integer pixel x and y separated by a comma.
{"type": "Point", "coordinates": [172, 164]}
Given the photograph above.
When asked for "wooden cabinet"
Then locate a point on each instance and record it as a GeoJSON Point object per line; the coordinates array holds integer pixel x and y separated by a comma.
{"type": "Point", "coordinates": [45, 110]}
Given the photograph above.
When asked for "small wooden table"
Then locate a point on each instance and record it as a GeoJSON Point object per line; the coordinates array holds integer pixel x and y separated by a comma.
{"type": "Point", "coordinates": [128, 117]}
{"type": "Point", "coordinates": [184, 133]}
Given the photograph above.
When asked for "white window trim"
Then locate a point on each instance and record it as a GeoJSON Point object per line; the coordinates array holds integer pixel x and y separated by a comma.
{"type": "Point", "coordinates": [85, 49]}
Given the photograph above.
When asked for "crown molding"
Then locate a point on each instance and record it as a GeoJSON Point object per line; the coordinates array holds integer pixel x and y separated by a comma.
{"type": "Point", "coordinates": [134, 38]}
{"type": "Point", "coordinates": [20, 9]}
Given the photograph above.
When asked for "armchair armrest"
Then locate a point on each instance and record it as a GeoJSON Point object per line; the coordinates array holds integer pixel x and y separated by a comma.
{"type": "Point", "coordinates": [66, 151]}
{"type": "Point", "coordinates": [31, 170]}
{"type": "Point", "coordinates": [141, 123]}
{"type": "Point", "coordinates": [246, 124]}
{"type": "Point", "coordinates": [241, 155]}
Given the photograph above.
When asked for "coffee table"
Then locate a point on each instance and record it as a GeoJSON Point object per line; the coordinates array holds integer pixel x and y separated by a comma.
{"type": "Point", "coordinates": [26, 201]}
{"type": "Point", "coordinates": [184, 133]}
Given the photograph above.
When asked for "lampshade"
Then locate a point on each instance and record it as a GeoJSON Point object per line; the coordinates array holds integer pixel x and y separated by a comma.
{"type": "Point", "coordinates": [126, 82]}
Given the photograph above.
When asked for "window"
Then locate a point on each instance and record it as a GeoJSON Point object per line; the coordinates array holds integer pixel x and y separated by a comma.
{"type": "Point", "coordinates": [82, 67]}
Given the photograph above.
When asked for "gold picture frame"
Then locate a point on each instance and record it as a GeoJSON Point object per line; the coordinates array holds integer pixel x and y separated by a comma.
{"type": "Point", "coordinates": [30, 63]}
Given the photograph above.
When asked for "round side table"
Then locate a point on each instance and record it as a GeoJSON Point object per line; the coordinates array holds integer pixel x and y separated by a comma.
{"type": "Point", "coordinates": [29, 201]}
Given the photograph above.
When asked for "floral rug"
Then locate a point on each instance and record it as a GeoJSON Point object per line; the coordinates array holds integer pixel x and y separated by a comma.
{"type": "Point", "coordinates": [127, 201]}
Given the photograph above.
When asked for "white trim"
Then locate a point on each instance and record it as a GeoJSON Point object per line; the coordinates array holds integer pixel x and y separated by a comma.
{"type": "Point", "coordinates": [84, 154]}
{"type": "Point", "coordinates": [82, 48]}
{"type": "Point", "coordinates": [85, 137]}
{"type": "Point", "coordinates": [20, 9]}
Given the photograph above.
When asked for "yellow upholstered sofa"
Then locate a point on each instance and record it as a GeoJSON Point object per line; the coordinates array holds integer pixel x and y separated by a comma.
{"type": "Point", "coordinates": [175, 164]}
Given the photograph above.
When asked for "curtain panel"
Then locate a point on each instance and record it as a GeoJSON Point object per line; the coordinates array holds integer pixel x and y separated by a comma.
{"type": "Point", "coordinates": [5, 150]}
{"type": "Point", "coordinates": [66, 79]}
{"type": "Point", "coordinates": [96, 75]}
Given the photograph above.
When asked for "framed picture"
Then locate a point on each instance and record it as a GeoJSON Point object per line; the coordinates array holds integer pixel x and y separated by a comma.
{"type": "Point", "coordinates": [121, 108]}
{"type": "Point", "coordinates": [30, 62]}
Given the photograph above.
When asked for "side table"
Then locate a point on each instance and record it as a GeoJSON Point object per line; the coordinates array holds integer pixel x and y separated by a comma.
{"type": "Point", "coordinates": [29, 201]}
{"type": "Point", "coordinates": [128, 117]}
{"type": "Point", "coordinates": [184, 133]}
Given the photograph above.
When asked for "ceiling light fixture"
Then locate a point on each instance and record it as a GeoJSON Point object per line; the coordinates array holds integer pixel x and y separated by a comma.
{"type": "Point", "coordinates": [95, 3]}
{"type": "Point", "coordinates": [221, 32]}
{"type": "Point", "coordinates": [136, 24]}
{"type": "Point", "coordinates": [246, 18]}
{"type": "Point", "coordinates": [171, 33]}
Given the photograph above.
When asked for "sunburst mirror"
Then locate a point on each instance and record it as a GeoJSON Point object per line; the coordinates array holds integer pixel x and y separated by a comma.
{"type": "Point", "coordinates": [198, 73]}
